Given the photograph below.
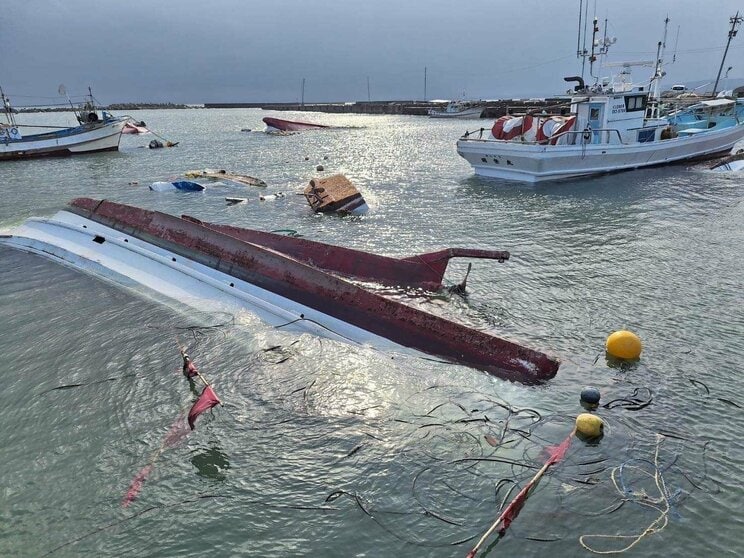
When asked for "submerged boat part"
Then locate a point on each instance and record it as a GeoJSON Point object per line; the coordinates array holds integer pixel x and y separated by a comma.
{"type": "Point", "coordinates": [289, 125]}
{"type": "Point", "coordinates": [192, 263]}
{"type": "Point", "coordinates": [335, 194]}
{"type": "Point", "coordinates": [223, 175]}
{"type": "Point", "coordinates": [733, 163]}
{"type": "Point", "coordinates": [183, 185]}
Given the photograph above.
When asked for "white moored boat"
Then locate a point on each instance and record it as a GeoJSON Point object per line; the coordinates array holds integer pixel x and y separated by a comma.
{"type": "Point", "coordinates": [609, 126]}
{"type": "Point", "coordinates": [458, 109]}
{"type": "Point", "coordinates": [95, 133]}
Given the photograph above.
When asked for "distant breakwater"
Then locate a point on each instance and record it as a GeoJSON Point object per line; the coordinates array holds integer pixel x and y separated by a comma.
{"type": "Point", "coordinates": [491, 109]}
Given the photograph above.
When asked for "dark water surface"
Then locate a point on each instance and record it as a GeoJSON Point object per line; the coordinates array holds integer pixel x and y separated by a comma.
{"type": "Point", "coordinates": [325, 449]}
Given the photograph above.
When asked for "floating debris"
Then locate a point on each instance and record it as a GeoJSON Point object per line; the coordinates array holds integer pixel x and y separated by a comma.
{"type": "Point", "coordinates": [223, 175]}
{"type": "Point", "coordinates": [157, 144]}
{"type": "Point", "coordinates": [268, 197]}
{"type": "Point", "coordinates": [183, 185]}
{"type": "Point", "coordinates": [335, 194]}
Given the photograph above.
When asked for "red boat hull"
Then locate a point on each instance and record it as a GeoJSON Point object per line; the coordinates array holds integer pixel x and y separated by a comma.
{"type": "Point", "coordinates": [312, 287]}
{"type": "Point", "coordinates": [289, 125]}
{"type": "Point", "coordinates": [424, 271]}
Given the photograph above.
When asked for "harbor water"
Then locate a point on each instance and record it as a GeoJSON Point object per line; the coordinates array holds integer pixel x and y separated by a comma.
{"type": "Point", "coordinates": [328, 449]}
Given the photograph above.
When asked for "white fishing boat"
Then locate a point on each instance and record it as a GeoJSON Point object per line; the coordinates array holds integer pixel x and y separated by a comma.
{"type": "Point", "coordinates": [458, 109]}
{"type": "Point", "coordinates": [95, 132]}
{"type": "Point", "coordinates": [610, 126]}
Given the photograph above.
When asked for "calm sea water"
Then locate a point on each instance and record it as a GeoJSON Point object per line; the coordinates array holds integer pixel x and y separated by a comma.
{"type": "Point", "coordinates": [324, 449]}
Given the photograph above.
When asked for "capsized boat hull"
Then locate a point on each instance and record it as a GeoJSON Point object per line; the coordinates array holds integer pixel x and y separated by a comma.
{"type": "Point", "coordinates": [289, 125]}
{"type": "Point", "coordinates": [288, 279]}
{"type": "Point", "coordinates": [424, 271]}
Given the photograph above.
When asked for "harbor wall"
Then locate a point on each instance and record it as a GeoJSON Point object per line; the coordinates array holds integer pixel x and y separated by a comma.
{"type": "Point", "coordinates": [492, 109]}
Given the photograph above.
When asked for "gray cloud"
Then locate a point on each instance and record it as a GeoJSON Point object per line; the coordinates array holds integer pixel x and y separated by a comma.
{"type": "Point", "coordinates": [229, 50]}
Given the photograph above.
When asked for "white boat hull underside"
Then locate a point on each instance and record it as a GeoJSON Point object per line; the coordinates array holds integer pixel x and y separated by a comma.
{"type": "Point", "coordinates": [101, 138]}
{"type": "Point", "coordinates": [88, 246]}
{"type": "Point", "coordinates": [530, 162]}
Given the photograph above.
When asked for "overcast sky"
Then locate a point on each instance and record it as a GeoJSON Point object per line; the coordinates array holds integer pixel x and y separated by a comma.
{"type": "Point", "coordinates": [195, 51]}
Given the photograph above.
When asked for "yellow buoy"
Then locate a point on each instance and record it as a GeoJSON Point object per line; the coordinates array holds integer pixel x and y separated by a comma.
{"type": "Point", "coordinates": [589, 425]}
{"type": "Point", "coordinates": [624, 344]}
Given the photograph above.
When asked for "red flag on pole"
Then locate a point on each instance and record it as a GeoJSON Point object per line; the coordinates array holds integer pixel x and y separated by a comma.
{"type": "Point", "coordinates": [206, 401]}
{"type": "Point", "coordinates": [555, 454]}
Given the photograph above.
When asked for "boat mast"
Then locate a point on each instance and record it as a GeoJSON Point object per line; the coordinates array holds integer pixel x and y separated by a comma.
{"type": "Point", "coordinates": [735, 20]}
{"type": "Point", "coordinates": [653, 86]}
{"type": "Point", "coordinates": [7, 108]}
{"type": "Point", "coordinates": [602, 46]}
{"type": "Point", "coordinates": [582, 52]}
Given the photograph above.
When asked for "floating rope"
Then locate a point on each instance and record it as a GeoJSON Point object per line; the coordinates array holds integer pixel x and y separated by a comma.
{"type": "Point", "coordinates": [660, 503]}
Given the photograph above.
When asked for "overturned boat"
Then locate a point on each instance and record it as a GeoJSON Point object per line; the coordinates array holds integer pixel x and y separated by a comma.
{"type": "Point", "coordinates": [422, 271]}
{"type": "Point", "coordinates": [281, 125]}
{"type": "Point", "coordinates": [202, 266]}
{"type": "Point", "coordinates": [225, 176]}
{"type": "Point", "coordinates": [335, 194]}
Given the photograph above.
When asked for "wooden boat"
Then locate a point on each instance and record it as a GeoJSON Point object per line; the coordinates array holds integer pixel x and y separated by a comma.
{"type": "Point", "coordinates": [335, 194]}
{"type": "Point", "coordinates": [242, 179]}
{"type": "Point", "coordinates": [289, 125]}
{"type": "Point", "coordinates": [197, 265]}
{"type": "Point", "coordinates": [424, 271]}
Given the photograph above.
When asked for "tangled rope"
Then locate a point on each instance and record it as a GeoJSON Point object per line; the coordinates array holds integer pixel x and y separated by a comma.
{"type": "Point", "coordinates": [661, 502]}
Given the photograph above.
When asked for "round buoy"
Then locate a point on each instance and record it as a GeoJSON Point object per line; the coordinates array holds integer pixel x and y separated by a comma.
{"type": "Point", "coordinates": [624, 344]}
{"type": "Point", "coordinates": [319, 168]}
{"type": "Point", "coordinates": [590, 398]}
{"type": "Point", "coordinates": [589, 425]}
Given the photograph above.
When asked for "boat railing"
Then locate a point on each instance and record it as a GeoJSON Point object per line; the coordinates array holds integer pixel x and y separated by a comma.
{"type": "Point", "coordinates": [479, 131]}
{"type": "Point", "coordinates": [573, 137]}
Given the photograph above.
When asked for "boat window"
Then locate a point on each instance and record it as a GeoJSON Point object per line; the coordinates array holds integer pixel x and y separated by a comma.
{"type": "Point", "coordinates": [635, 102]}
{"type": "Point", "coordinates": [593, 113]}
{"type": "Point", "coordinates": [645, 136]}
